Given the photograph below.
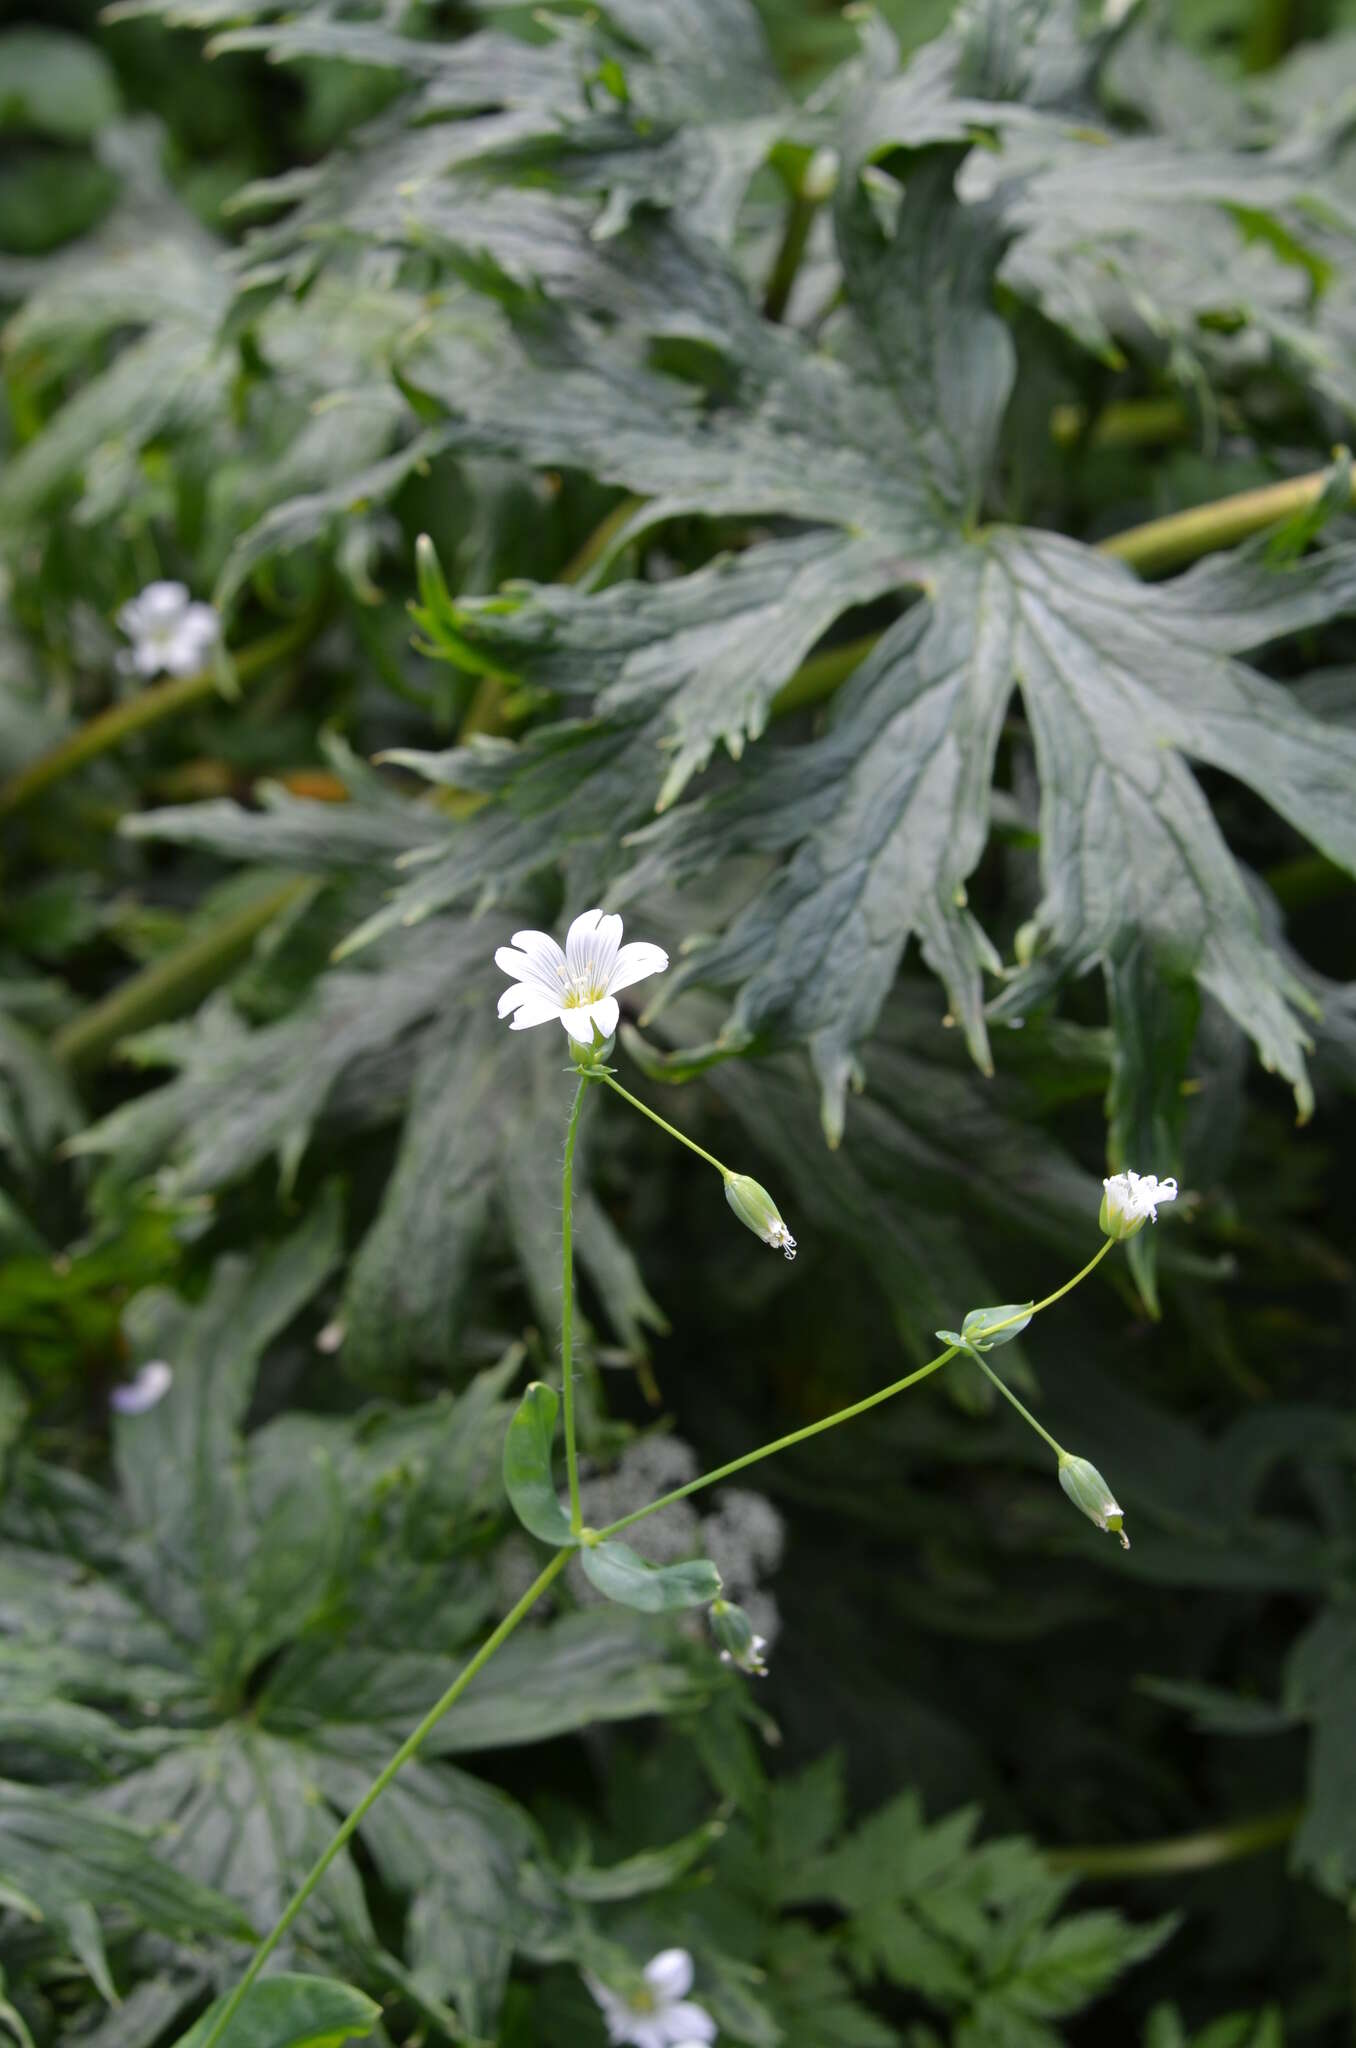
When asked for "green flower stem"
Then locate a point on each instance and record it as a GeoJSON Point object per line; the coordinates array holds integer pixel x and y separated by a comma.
{"type": "Point", "coordinates": [1024, 1412]}
{"type": "Point", "coordinates": [111, 727]}
{"type": "Point", "coordinates": [172, 984]}
{"type": "Point", "coordinates": [1184, 536]}
{"type": "Point", "coordinates": [725, 1172]}
{"type": "Point", "coordinates": [1178, 1854]}
{"type": "Point", "coordinates": [409, 1748]}
{"type": "Point", "coordinates": [567, 1305]}
{"type": "Point", "coordinates": [783, 1443]}
{"type": "Point", "coordinates": [800, 1436]}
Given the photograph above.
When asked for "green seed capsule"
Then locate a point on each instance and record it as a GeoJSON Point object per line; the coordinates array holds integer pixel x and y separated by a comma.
{"type": "Point", "coordinates": [1088, 1491]}
{"type": "Point", "coordinates": [754, 1206]}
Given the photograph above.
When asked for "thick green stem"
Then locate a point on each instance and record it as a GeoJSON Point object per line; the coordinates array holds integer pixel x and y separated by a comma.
{"type": "Point", "coordinates": [567, 1306]}
{"type": "Point", "coordinates": [799, 220]}
{"type": "Point", "coordinates": [1178, 1854]}
{"type": "Point", "coordinates": [1185, 536]}
{"type": "Point", "coordinates": [173, 984]}
{"type": "Point", "coordinates": [724, 1171]}
{"type": "Point", "coordinates": [409, 1748]}
{"type": "Point", "coordinates": [111, 727]}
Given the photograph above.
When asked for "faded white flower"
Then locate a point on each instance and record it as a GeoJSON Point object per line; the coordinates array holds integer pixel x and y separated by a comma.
{"type": "Point", "coordinates": [659, 2014]}
{"type": "Point", "coordinates": [579, 986]}
{"type": "Point", "coordinates": [168, 630]}
{"type": "Point", "coordinates": [753, 1205]}
{"type": "Point", "coordinates": [141, 1393]}
{"type": "Point", "coordinates": [1130, 1200]}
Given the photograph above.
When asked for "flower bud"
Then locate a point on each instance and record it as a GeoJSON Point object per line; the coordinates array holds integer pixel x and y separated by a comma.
{"type": "Point", "coordinates": [595, 1055]}
{"type": "Point", "coordinates": [1088, 1490]}
{"type": "Point", "coordinates": [1130, 1200]}
{"type": "Point", "coordinates": [739, 1645]}
{"type": "Point", "coordinates": [754, 1205]}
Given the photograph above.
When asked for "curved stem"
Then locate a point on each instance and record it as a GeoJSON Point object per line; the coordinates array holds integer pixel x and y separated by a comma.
{"type": "Point", "coordinates": [1176, 1854]}
{"type": "Point", "coordinates": [567, 1305]}
{"type": "Point", "coordinates": [410, 1747]}
{"type": "Point", "coordinates": [795, 235]}
{"type": "Point", "coordinates": [1067, 1288]}
{"type": "Point", "coordinates": [148, 707]}
{"type": "Point", "coordinates": [724, 1171]}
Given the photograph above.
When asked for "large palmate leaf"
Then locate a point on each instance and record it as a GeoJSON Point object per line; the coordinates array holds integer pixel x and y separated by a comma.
{"type": "Point", "coordinates": [885, 444]}
{"type": "Point", "coordinates": [228, 1639]}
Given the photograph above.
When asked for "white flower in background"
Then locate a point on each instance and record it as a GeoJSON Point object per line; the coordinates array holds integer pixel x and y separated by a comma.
{"type": "Point", "coordinates": [168, 630]}
{"type": "Point", "coordinates": [579, 986]}
{"type": "Point", "coordinates": [660, 2015]}
{"type": "Point", "coordinates": [150, 1385]}
{"type": "Point", "coordinates": [1130, 1200]}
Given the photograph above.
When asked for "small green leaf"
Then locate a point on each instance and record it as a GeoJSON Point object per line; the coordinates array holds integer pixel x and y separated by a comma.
{"type": "Point", "coordinates": [985, 1328]}
{"type": "Point", "coordinates": [527, 1467]}
{"type": "Point", "coordinates": [622, 1574]}
{"type": "Point", "coordinates": [290, 2012]}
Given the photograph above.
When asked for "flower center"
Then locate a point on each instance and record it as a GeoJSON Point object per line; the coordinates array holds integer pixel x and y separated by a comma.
{"type": "Point", "coordinates": [583, 988]}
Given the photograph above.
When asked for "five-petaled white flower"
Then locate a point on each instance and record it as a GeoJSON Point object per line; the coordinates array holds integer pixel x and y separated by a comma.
{"type": "Point", "coordinates": [1130, 1200]}
{"type": "Point", "coordinates": [660, 2015]}
{"type": "Point", "coordinates": [142, 1392]}
{"type": "Point", "coordinates": [168, 630]}
{"type": "Point", "coordinates": [578, 986]}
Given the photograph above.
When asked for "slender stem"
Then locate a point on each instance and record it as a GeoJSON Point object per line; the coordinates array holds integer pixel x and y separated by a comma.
{"type": "Point", "coordinates": [172, 984]}
{"type": "Point", "coordinates": [1176, 1854]}
{"type": "Point", "coordinates": [410, 1747]}
{"type": "Point", "coordinates": [567, 1305]}
{"type": "Point", "coordinates": [1024, 1412]}
{"type": "Point", "coordinates": [783, 1443]}
{"type": "Point", "coordinates": [800, 1436]}
{"type": "Point", "coordinates": [148, 707]}
{"type": "Point", "coordinates": [1060, 1292]}
{"type": "Point", "coordinates": [655, 1118]}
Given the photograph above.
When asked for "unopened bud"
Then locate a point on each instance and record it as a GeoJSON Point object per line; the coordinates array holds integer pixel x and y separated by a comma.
{"type": "Point", "coordinates": [1130, 1200]}
{"type": "Point", "coordinates": [754, 1205]}
{"type": "Point", "coordinates": [739, 1645]}
{"type": "Point", "coordinates": [1088, 1491]}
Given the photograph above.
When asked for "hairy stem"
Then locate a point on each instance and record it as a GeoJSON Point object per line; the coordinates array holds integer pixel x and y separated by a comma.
{"type": "Point", "coordinates": [111, 727]}
{"type": "Point", "coordinates": [170, 985]}
{"type": "Point", "coordinates": [567, 1305]}
{"type": "Point", "coordinates": [409, 1748]}
{"type": "Point", "coordinates": [1177, 1854]}
{"type": "Point", "coordinates": [655, 1118]}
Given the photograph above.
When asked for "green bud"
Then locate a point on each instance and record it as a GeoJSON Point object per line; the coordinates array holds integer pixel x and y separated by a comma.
{"type": "Point", "coordinates": [754, 1205]}
{"type": "Point", "coordinates": [1088, 1490]}
{"type": "Point", "coordinates": [739, 1645]}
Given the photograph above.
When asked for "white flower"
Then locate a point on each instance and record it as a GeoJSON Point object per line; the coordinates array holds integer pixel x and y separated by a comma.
{"type": "Point", "coordinates": [579, 986]}
{"type": "Point", "coordinates": [660, 2015]}
{"type": "Point", "coordinates": [168, 631]}
{"type": "Point", "coordinates": [150, 1385]}
{"type": "Point", "coordinates": [1130, 1200]}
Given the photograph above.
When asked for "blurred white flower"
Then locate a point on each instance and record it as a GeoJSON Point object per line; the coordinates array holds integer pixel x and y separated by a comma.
{"type": "Point", "coordinates": [660, 2015]}
{"type": "Point", "coordinates": [579, 986]}
{"type": "Point", "coordinates": [1129, 1200]}
{"type": "Point", "coordinates": [168, 630]}
{"type": "Point", "coordinates": [150, 1385]}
